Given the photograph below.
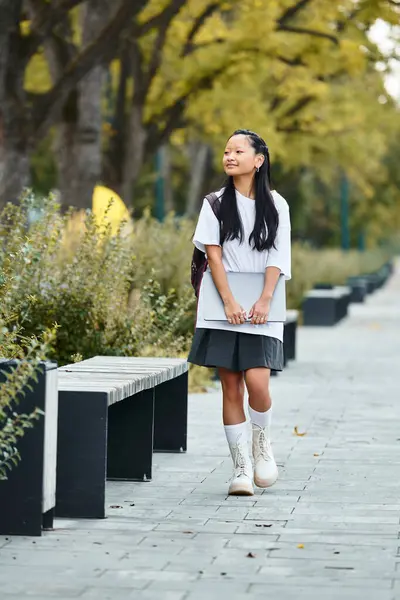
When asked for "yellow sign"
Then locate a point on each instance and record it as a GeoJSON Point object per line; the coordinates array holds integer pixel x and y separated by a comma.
{"type": "Point", "coordinates": [114, 214]}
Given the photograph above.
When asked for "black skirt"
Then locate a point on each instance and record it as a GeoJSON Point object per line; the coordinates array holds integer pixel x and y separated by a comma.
{"type": "Point", "coordinates": [235, 351]}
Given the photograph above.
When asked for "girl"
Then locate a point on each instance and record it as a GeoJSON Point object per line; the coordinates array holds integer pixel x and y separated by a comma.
{"type": "Point", "coordinates": [250, 234]}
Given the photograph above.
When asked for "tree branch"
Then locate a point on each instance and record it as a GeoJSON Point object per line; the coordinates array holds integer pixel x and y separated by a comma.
{"type": "Point", "coordinates": [312, 32]}
{"type": "Point", "coordinates": [46, 18]}
{"type": "Point", "coordinates": [188, 50]}
{"type": "Point", "coordinates": [172, 114]}
{"type": "Point", "coordinates": [197, 25]}
{"type": "Point", "coordinates": [298, 106]}
{"type": "Point", "coordinates": [47, 106]}
{"type": "Point", "coordinates": [156, 56]}
{"type": "Point", "coordinates": [341, 26]}
{"type": "Point", "coordinates": [291, 62]}
{"type": "Point", "coordinates": [143, 79]}
{"type": "Point", "coordinates": [292, 11]}
{"type": "Point", "coordinates": [158, 20]}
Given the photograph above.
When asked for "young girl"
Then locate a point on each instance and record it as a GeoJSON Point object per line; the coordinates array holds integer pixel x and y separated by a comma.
{"type": "Point", "coordinates": [250, 234]}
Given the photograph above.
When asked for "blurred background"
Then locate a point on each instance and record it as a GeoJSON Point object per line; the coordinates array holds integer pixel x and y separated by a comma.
{"type": "Point", "coordinates": [134, 101]}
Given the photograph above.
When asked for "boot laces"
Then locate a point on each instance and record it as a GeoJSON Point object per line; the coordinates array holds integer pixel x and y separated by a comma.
{"type": "Point", "coordinates": [239, 460]}
{"type": "Point", "coordinates": [264, 445]}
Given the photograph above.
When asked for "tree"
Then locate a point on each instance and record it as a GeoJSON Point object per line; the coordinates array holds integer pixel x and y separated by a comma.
{"type": "Point", "coordinates": [282, 64]}
{"type": "Point", "coordinates": [25, 118]}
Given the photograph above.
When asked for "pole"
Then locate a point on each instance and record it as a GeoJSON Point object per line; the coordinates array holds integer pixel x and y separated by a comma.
{"type": "Point", "coordinates": [361, 241]}
{"type": "Point", "coordinates": [344, 213]}
{"type": "Point", "coordinates": [159, 205]}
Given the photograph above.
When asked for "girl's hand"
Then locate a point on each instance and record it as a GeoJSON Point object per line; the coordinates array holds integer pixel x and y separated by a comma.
{"type": "Point", "coordinates": [259, 312]}
{"type": "Point", "coordinates": [235, 314]}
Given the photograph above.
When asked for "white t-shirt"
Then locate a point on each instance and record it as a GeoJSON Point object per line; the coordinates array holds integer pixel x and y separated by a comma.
{"type": "Point", "coordinates": [241, 257]}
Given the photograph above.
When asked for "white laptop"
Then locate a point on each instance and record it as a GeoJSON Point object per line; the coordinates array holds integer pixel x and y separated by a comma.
{"type": "Point", "coordinates": [246, 289]}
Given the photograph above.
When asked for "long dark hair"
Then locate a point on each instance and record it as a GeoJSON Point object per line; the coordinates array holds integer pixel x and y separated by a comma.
{"type": "Point", "coordinates": [267, 219]}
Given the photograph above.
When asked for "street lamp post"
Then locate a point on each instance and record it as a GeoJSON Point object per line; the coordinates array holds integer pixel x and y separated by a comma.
{"type": "Point", "coordinates": [344, 212]}
{"type": "Point", "coordinates": [159, 188]}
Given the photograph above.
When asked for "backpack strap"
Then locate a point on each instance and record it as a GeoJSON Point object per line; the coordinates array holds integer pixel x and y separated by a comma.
{"type": "Point", "coordinates": [215, 204]}
{"type": "Point", "coordinates": [213, 201]}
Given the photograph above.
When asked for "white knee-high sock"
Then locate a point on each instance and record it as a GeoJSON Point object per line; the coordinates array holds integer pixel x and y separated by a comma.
{"type": "Point", "coordinates": [262, 419]}
{"type": "Point", "coordinates": [235, 433]}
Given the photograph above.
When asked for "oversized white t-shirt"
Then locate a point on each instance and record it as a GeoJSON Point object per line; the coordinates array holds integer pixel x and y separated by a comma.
{"type": "Point", "coordinates": [241, 257]}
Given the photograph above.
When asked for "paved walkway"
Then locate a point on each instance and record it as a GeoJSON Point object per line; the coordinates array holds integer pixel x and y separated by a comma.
{"type": "Point", "coordinates": [328, 530]}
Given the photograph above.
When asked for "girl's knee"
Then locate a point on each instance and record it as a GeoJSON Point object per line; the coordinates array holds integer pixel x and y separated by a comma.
{"type": "Point", "coordinates": [258, 386]}
{"type": "Point", "coordinates": [232, 386]}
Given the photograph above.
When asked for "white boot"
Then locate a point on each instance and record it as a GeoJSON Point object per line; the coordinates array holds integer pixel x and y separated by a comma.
{"type": "Point", "coordinates": [241, 483]}
{"type": "Point", "coordinates": [265, 469]}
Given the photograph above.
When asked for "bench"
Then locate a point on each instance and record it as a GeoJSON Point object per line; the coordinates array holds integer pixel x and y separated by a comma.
{"type": "Point", "coordinates": [359, 289]}
{"type": "Point", "coordinates": [28, 495]}
{"type": "Point", "coordinates": [326, 307]}
{"type": "Point", "coordinates": [289, 335]}
{"type": "Point", "coordinates": [113, 413]}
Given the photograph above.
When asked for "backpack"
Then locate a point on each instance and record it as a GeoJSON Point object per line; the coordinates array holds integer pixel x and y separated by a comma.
{"type": "Point", "coordinates": [199, 259]}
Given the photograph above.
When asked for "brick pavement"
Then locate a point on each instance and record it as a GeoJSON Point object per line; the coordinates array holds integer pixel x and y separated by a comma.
{"type": "Point", "coordinates": [329, 529]}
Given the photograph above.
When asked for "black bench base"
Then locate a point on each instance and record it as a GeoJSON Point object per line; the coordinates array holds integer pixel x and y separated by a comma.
{"type": "Point", "coordinates": [97, 441]}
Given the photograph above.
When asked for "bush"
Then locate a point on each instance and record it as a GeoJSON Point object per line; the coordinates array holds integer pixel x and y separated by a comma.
{"type": "Point", "coordinates": [129, 293]}
{"type": "Point", "coordinates": [72, 271]}
{"type": "Point", "coordinates": [29, 352]}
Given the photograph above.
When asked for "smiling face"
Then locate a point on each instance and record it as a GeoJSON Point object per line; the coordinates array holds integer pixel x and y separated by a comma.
{"type": "Point", "coordinates": [240, 157]}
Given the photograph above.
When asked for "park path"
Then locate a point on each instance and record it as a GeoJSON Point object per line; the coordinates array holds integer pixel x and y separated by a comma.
{"type": "Point", "coordinates": [328, 530]}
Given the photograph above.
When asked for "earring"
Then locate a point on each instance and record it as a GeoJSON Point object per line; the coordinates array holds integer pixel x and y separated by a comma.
{"type": "Point", "coordinates": [258, 169]}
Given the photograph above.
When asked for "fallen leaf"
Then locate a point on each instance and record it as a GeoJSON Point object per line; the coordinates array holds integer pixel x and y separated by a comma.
{"type": "Point", "coordinates": [223, 573]}
{"type": "Point", "coordinates": [336, 553]}
{"type": "Point", "coordinates": [187, 532]}
{"type": "Point", "coordinates": [115, 506]}
{"type": "Point", "coordinates": [315, 454]}
{"type": "Point", "coordinates": [301, 546]}
{"type": "Point", "coordinates": [296, 432]}
{"type": "Point", "coordinates": [251, 555]}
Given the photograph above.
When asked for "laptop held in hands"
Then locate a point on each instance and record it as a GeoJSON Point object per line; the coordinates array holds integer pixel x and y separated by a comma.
{"type": "Point", "coordinates": [246, 289]}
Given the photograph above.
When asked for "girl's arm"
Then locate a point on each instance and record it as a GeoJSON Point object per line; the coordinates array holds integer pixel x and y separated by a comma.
{"type": "Point", "coordinates": [234, 312]}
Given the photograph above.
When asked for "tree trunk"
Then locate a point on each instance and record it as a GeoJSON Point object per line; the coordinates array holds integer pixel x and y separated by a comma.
{"type": "Point", "coordinates": [14, 133]}
{"type": "Point", "coordinates": [135, 154]}
{"type": "Point", "coordinates": [79, 134]}
{"type": "Point", "coordinates": [14, 159]}
{"type": "Point", "coordinates": [198, 157]}
{"type": "Point", "coordinates": [114, 156]}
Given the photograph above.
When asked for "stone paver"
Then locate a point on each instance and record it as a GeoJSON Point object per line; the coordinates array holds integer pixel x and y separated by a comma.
{"type": "Point", "coordinates": [328, 529]}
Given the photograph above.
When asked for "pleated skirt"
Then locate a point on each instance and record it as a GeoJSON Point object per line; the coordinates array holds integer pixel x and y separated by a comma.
{"type": "Point", "coordinates": [217, 348]}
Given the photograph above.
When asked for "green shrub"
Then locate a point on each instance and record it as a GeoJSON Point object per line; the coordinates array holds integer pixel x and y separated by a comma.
{"type": "Point", "coordinates": [15, 345]}
{"type": "Point", "coordinates": [76, 274]}
{"type": "Point", "coordinates": [129, 293]}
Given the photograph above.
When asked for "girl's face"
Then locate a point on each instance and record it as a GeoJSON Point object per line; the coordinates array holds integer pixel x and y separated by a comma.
{"type": "Point", "coordinates": [240, 157]}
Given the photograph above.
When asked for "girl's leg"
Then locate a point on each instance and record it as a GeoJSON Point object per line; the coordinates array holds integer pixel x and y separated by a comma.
{"type": "Point", "coordinates": [236, 431]}
{"type": "Point", "coordinates": [233, 396]}
{"type": "Point", "coordinates": [260, 409]}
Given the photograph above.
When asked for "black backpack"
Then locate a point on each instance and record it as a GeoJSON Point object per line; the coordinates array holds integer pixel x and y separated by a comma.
{"type": "Point", "coordinates": [199, 259]}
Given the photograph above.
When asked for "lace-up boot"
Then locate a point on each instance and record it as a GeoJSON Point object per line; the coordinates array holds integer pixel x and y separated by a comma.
{"type": "Point", "coordinates": [241, 483]}
{"type": "Point", "coordinates": [265, 469]}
